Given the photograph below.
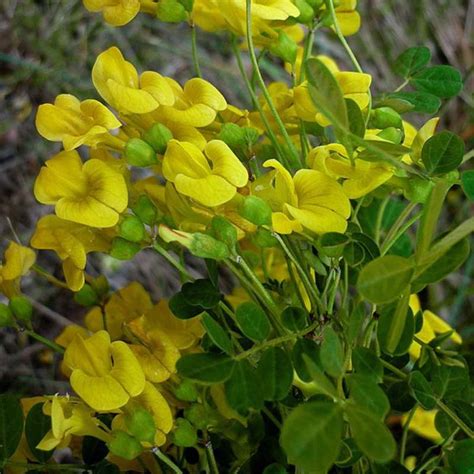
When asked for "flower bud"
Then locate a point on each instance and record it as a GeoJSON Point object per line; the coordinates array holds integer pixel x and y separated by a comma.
{"type": "Point", "coordinates": [123, 249]}
{"type": "Point", "coordinates": [186, 391]}
{"type": "Point", "coordinates": [139, 153]}
{"type": "Point", "coordinates": [264, 238]}
{"type": "Point", "coordinates": [306, 11]}
{"type": "Point", "coordinates": [141, 424]}
{"type": "Point", "coordinates": [316, 4]}
{"type": "Point", "coordinates": [385, 117]}
{"type": "Point", "coordinates": [124, 445]}
{"type": "Point", "coordinates": [101, 285]}
{"type": "Point", "coordinates": [285, 48]}
{"type": "Point", "coordinates": [256, 211]}
{"type": "Point", "coordinates": [158, 137]}
{"type": "Point", "coordinates": [223, 231]}
{"type": "Point", "coordinates": [145, 210]}
{"type": "Point", "coordinates": [171, 11]}
{"type": "Point", "coordinates": [187, 4]}
{"type": "Point", "coordinates": [418, 189]}
{"type": "Point", "coordinates": [232, 135]}
{"type": "Point", "coordinates": [132, 229]}
{"type": "Point", "coordinates": [184, 434]}
{"type": "Point", "coordinates": [21, 308]}
{"type": "Point", "coordinates": [392, 134]}
{"type": "Point", "coordinates": [86, 296]}
{"type": "Point", "coordinates": [6, 317]}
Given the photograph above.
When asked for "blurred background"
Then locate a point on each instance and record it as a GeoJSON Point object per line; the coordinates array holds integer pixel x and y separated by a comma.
{"type": "Point", "coordinates": [48, 47]}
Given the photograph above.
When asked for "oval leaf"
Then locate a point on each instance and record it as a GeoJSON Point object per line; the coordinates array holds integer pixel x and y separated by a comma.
{"type": "Point", "coordinates": [217, 333]}
{"type": "Point", "coordinates": [11, 425]}
{"type": "Point", "coordinates": [442, 81]}
{"type": "Point", "coordinates": [412, 60]}
{"type": "Point", "coordinates": [332, 353]}
{"type": "Point", "coordinates": [206, 367]}
{"type": "Point", "coordinates": [36, 426]}
{"type": "Point", "coordinates": [275, 374]}
{"type": "Point", "coordinates": [253, 321]}
{"type": "Point", "coordinates": [442, 153]}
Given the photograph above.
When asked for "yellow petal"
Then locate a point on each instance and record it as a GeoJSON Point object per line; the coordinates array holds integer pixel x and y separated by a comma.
{"type": "Point", "coordinates": [439, 325]}
{"type": "Point", "coordinates": [156, 85]}
{"type": "Point", "coordinates": [283, 225]}
{"type": "Point", "coordinates": [349, 22]}
{"type": "Point", "coordinates": [74, 276]}
{"type": "Point", "coordinates": [210, 191]}
{"type": "Point", "coordinates": [226, 164]}
{"type": "Point", "coordinates": [186, 159]}
{"type": "Point", "coordinates": [18, 261]}
{"type": "Point", "coordinates": [199, 91]}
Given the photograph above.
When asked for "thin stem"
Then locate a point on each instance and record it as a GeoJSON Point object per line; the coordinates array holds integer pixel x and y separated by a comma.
{"type": "Point", "coordinates": [402, 85]}
{"type": "Point", "coordinates": [386, 247]}
{"type": "Point", "coordinates": [197, 68]}
{"type": "Point", "coordinates": [455, 418]}
{"type": "Point", "coordinates": [52, 279]}
{"type": "Point", "coordinates": [396, 226]}
{"type": "Point", "coordinates": [379, 221]}
{"type": "Point", "coordinates": [175, 263]}
{"type": "Point", "coordinates": [48, 343]}
{"type": "Point", "coordinates": [211, 458]}
{"type": "Point", "coordinates": [263, 87]}
{"type": "Point", "coordinates": [272, 417]}
{"type": "Point", "coordinates": [162, 457]}
{"type": "Point", "coordinates": [405, 433]}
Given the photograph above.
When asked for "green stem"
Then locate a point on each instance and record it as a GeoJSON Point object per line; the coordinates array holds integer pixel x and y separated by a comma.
{"type": "Point", "coordinates": [388, 243]}
{"type": "Point", "coordinates": [214, 469]}
{"type": "Point", "coordinates": [165, 459]}
{"type": "Point", "coordinates": [379, 221]}
{"type": "Point", "coordinates": [49, 277]}
{"type": "Point", "coordinates": [52, 345]}
{"type": "Point", "coordinates": [405, 433]}
{"type": "Point", "coordinates": [197, 68]}
{"type": "Point", "coordinates": [263, 88]}
{"type": "Point", "coordinates": [175, 263]}
{"type": "Point", "coordinates": [272, 417]}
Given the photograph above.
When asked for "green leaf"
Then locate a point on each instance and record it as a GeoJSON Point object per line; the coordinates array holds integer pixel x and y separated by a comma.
{"type": "Point", "coordinates": [349, 453]}
{"type": "Point", "coordinates": [412, 60]}
{"type": "Point", "coordinates": [94, 450]}
{"type": "Point", "coordinates": [445, 424]}
{"type": "Point", "coordinates": [243, 389]}
{"type": "Point", "coordinates": [442, 81]}
{"type": "Point", "coordinates": [253, 321]}
{"type": "Point", "coordinates": [356, 119]}
{"type": "Point", "coordinates": [105, 467]}
{"type": "Point", "coordinates": [422, 102]}
{"type": "Point", "coordinates": [275, 469]}
{"type": "Point", "coordinates": [371, 435]}
{"type": "Point", "coordinates": [400, 399]}
{"type": "Point", "coordinates": [391, 467]}
{"type": "Point", "coordinates": [366, 362]}
{"type": "Point", "coordinates": [37, 424]}
{"type": "Point", "coordinates": [11, 425]}
{"type": "Point", "coordinates": [294, 318]}
{"type": "Point", "coordinates": [201, 293]}
{"type": "Point", "coordinates": [442, 153]}
{"type": "Point", "coordinates": [461, 458]}
{"type": "Point", "coordinates": [275, 374]}
{"type": "Point", "coordinates": [380, 150]}
{"type": "Point", "coordinates": [421, 390]}
{"type": "Point", "coordinates": [332, 353]}
{"type": "Point", "coordinates": [449, 381]}
{"type": "Point", "coordinates": [467, 180]}
{"type": "Point", "coordinates": [311, 350]}
{"type": "Point", "coordinates": [385, 278]}
{"type": "Point", "coordinates": [217, 333]}
{"type": "Point", "coordinates": [366, 393]}
{"type": "Point", "coordinates": [311, 435]}
{"type": "Point", "coordinates": [181, 308]}
{"type": "Point", "coordinates": [396, 328]}
{"type": "Point", "coordinates": [184, 433]}
{"type": "Point", "coordinates": [205, 367]}
{"type": "Point", "coordinates": [326, 93]}
{"type": "Point", "coordinates": [322, 383]}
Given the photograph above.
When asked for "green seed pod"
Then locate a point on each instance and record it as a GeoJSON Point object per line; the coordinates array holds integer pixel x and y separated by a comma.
{"type": "Point", "coordinates": [139, 153]}
{"type": "Point", "coordinates": [394, 135]}
{"type": "Point", "coordinates": [223, 231]}
{"type": "Point", "coordinates": [86, 296]}
{"type": "Point", "coordinates": [205, 246]}
{"type": "Point", "coordinates": [285, 48]}
{"type": "Point", "coordinates": [21, 308]}
{"type": "Point", "coordinates": [145, 210]}
{"type": "Point", "coordinates": [132, 229]}
{"type": "Point", "coordinates": [141, 425]}
{"type": "Point", "coordinates": [385, 117]}
{"type": "Point", "coordinates": [123, 249]}
{"type": "Point", "coordinates": [6, 317]}
{"type": "Point", "coordinates": [158, 137]}
{"type": "Point", "coordinates": [256, 210]}
{"type": "Point", "coordinates": [124, 445]}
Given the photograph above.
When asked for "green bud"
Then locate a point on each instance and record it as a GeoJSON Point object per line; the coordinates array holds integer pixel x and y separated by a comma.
{"type": "Point", "coordinates": [6, 317]}
{"type": "Point", "coordinates": [86, 296]}
{"type": "Point", "coordinates": [131, 228]}
{"type": "Point", "coordinates": [264, 238]}
{"type": "Point", "coordinates": [232, 135]}
{"type": "Point", "coordinates": [223, 231]}
{"type": "Point", "coordinates": [306, 11]}
{"type": "Point", "coordinates": [124, 445]}
{"type": "Point", "coordinates": [198, 415]}
{"type": "Point", "coordinates": [187, 4]}
{"type": "Point", "coordinates": [316, 4]}
{"type": "Point", "coordinates": [186, 391]}
{"type": "Point", "coordinates": [326, 18]}
{"type": "Point", "coordinates": [21, 308]}
{"type": "Point", "coordinates": [139, 153]}
{"type": "Point", "coordinates": [392, 134]}
{"type": "Point", "coordinates": [145, 210]}
{"type": "Point", "coordinates": [141, 424]}
{"type": "Point", "coordinates": [158, 137]}
{"type": "Point", "coordinates": [285, 48]}
{"type": "Point", "coordinates": [123, 249]}
{"type": "Point", "coordinates": [256, 211]}
{"type": "Point", "coordinates": [417, 190]}
{"type": "Point", "coordinates": [184, 434]}
{"type": "Point", "coordinates": [385, 117]}
{"type": "Point", "coordinates": [101, 285]}
{"type": "Point", "coordinates": [171, 11]}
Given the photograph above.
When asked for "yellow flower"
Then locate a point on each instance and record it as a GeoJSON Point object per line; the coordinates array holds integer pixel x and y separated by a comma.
{"type": "Point", "coordinates": [423, 424]}
{"type": "Point", "coordinates": [90, 193]}
{"type": "Point", "coordinates": [75, 123]}
{"type": "Point", "coordinates": [125, 305]}
{"type": "Point", "coordinates": [359, 179]}
{"type": "Point", "coordinates": [195, 105]}
{"type": "Point", "coordinates": [347, 17]}
{"type": "Point", "coordinates": [17, 262]}
{"type": "Point", "coordinates": [432, 326]}
{"type": "Point", "coordinates": [69, 417]}
{"type": "Point", "coordinates": [188, 168]}
{"type": "Point", "coordinates": [105, 375]}
{"type": "Point", "coordinates": [72, 242]}
{"type": "Point", "coordinates": [118, 83]}
{"type": "Point", "coordinates": [309, 200]}
{"type": "Point", "coordinates": [354, 85]}
{"type": "Point", "coordinates": [415, 139]}
{"type": "Point", "coordinates": [116, 12]}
